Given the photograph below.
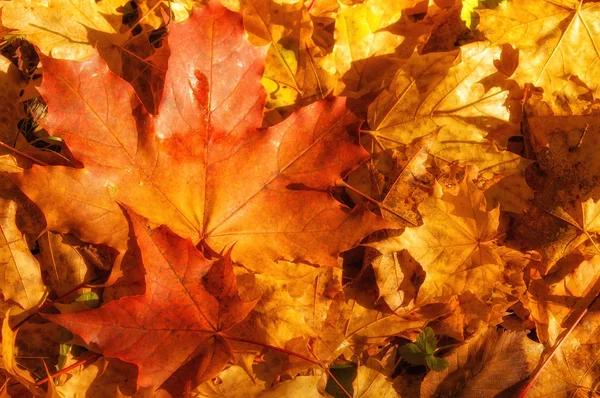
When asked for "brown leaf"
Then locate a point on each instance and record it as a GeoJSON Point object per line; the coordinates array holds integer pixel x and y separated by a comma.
{"type": "Point", "coordinates": [571, 368]}
{"type": "Point", "coordinates": [486, 365]}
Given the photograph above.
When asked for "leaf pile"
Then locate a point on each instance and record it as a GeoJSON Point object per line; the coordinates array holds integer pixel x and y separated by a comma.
{"type": "Point", "coordinates": [330, 198]}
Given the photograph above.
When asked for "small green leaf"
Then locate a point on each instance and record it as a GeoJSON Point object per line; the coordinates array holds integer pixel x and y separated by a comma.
{"type": "Point", "coordinates": [427, 341]}
{"type": "Point", "coordinates": [413, 354]}
{"type": "Point", "coordinates": [436, 364]}
{"type": "Point", "coordinates": [421, 352]}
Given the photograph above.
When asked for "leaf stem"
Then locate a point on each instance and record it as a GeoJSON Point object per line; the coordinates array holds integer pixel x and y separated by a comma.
{"type": "Point", "coordinates": [48, 303]}
{"type": "Point", "coordinates": [69, 368]}
{"type": "Point", "coordinates": [446, 346]}
{"type": "Point", "coordinates": [341, 183]}
{"type": "Point", "coordinates": [338, 383]}
{"type": "Point", "coordinates": [34, 160]}
{"type": "Point", "coordinates": [272, 347]}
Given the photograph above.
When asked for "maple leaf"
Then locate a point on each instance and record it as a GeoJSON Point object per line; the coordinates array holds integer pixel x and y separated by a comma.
{"type": "Point", "coordinates": [65, 29]}
{"type": "Point", "coordinates": [454, 245]}
{"type": "Point", "coordinates": [294, 73]}
{"type": "Point", "coordinates": [188, 303]}
{"type": "Point", "coordinates": [63, 259]}
{"type": "Point", "coordinates": [374, 379]}
{"type": "Point", "coordinates": [556, 40]}
{"type": "Point", "coordinates": [443, 89]}
{"type": "Point", "coordinates": [471, 148]}
{"type": "Point", "coordinates": [294, 302]}
{"type": "Point", "coordinates": [394, 273]}
{"type": "Point", "coordinates": [199, 167]}
{"type": "Point", "coordinates": [74, 30]}
{"type": "Point", "coordinates": [369, 47]}
{"type": "Point", "coordinates": [557, 299]}
{"type": "Point", "coordinates": [511, 193]}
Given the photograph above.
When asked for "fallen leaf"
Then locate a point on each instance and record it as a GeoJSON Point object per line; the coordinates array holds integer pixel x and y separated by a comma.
{"type": "Point", "coordinates": [556, 40]}
{"type": "Point", "coordinates": [472, 148]}
{"type": "Point", "coordinates": [9, 362]}
{"type": "Point", "coordinates": [572, 370]}
{"type": "Point", "coordinates": [233, 382]}
{"type": "Point", "coordinates": [413, 185]}
{"type": "Point", "coordinates": [488, 364]}
{"type": "Point", "coordinates": [369, 47]}
{"type": "Point", "coordinates": [442, 89]}
{"type": "Point", "coordinates": [279, 316]}
{"type": "Point", "coordinates": [75, 30]}
{"type": "Point", "coordinates": [512, 193]}
{"type": "Point", "coordinates": [374, 378]}
{"type": "Point", "coordinates": [212, 178]}
{"type": "Point", "coordinates": [64, 29]}
{"type": "Point", "coordinates": [63, 263]}
{"type": "Point", "coordinates": [394, 273]}
{"type": "Point", "coordinates": [294, 72]}
{"type": "Point", "coordinates": [455, 245]}
{"type": "Point", "coordinates": [21, 278]}
{"type": "Point", "coordinates": [174, 318]}
{"type": "Point", "coordinates": [559, 297]}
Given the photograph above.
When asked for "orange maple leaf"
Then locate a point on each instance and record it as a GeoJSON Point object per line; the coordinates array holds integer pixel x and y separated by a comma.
{"type": "Point", "coordinates": [200, 166]}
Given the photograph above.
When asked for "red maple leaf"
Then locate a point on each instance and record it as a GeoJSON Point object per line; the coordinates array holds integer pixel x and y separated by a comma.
{"type": "Point", "coordinates": [188, 303]}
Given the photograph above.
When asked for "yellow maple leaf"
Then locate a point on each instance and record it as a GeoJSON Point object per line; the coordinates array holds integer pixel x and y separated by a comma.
{"type": "Point", "coordinates": [556, 39]}
{"type": "Point", "coordinates": [454, 245]}
{"type": "Point", "coordinates": [442, 89]}
{"type": "Point", "coordinates": [294, 72]}
{"type": "Point", "coordinates": [367, 51]}
{"type": "Point", "coordinates": [472, 148]}
{"type": "Point", "coordinates": [68, 29]}
{"type": "Point", "coordinates": [72, 30]}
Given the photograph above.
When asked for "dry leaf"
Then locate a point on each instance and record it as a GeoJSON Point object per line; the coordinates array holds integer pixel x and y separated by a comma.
{"type": "Point", "coordinates": [455, 245]}
{"type": "Point", "coordinates": [488, 364]}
